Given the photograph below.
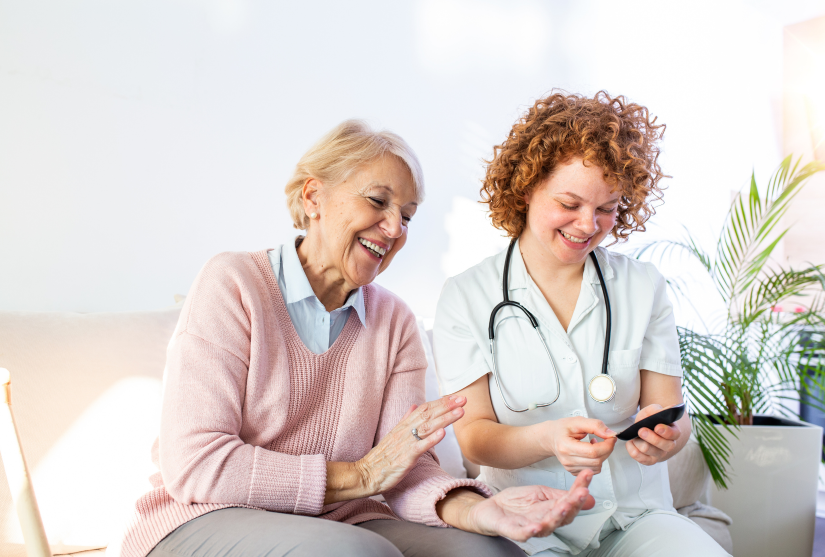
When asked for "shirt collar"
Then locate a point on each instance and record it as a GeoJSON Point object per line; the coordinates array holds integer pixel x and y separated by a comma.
{"type": "Point", "coordinates": [298, 287]}
{"type": "Point", "coordinates": [519, 276]}
{"type": "Point", "coordinates": [590, 273]}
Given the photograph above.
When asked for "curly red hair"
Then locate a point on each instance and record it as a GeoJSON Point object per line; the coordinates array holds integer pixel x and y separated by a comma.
{"type": "Point", "coordinates": [616, 135]}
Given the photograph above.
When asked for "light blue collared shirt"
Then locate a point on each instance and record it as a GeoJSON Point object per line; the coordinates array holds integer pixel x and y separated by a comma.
{"type": "Point", "coordinates": [317, 327]}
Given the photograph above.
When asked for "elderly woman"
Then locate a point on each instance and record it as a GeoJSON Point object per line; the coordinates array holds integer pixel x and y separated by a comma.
{"type": "Point", "coordinates": [294, 392]}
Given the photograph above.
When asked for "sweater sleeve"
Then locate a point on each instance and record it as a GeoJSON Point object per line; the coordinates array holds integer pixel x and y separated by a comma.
{"type": "Point", "coordinates": [414, 498]}
{"type": "Point", "coordinates": [201, 454]}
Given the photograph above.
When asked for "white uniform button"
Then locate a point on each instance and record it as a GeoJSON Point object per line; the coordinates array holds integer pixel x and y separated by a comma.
{"type": "Point", "coordinates": [571, 359]}
{"type": "Point", "coordinates": [608, 505]}
{"type": "Point", "coordinates": [578, 413]}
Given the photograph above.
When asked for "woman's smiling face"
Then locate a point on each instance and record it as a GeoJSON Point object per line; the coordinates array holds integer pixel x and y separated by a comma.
{"type": "Point", "coordinates": [571, 212]}
{"type": "Point", "coordinates": [364, 219]}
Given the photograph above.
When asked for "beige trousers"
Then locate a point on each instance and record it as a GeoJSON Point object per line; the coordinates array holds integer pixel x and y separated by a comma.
{"type": "Point", "coordinates": [654, 535]}
{"type": "Point", "coordinates": [237, 532]}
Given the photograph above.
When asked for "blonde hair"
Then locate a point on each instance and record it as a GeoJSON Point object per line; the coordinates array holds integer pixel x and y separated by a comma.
{"type": "Point", "coordinates": [348, 146]}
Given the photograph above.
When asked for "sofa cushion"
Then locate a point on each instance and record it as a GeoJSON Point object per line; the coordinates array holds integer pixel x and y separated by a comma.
{"type": "Point", "coordinates": [448, 451]}
{"type": "Point", "coordinates": [86, 399]}
{"type": "Point", "coordinates": [689, 475]}
{"type": "Point", "coordinates": [86, 394]}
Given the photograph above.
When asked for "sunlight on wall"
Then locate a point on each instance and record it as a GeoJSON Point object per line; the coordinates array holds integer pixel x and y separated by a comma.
{"type": "Point", "coordinates": [170, 127]}
{"type": "Point", "coordinates": [88, 482]}
{"type": "Point", "coordinates": [471, 237]}
{"type": "Point", "coordinates": [814, 95]}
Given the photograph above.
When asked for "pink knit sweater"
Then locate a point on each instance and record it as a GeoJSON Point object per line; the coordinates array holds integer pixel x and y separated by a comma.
{"type": "Point", "coordinates": [250, 415]}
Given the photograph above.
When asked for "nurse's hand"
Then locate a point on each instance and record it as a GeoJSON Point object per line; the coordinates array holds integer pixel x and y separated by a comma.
{"type": "Point", "coordinates": [518, 513]}
{"type": "Point", "coordinates": [563, 439]}
{"type": "Point", "coordinates": [653, 446]}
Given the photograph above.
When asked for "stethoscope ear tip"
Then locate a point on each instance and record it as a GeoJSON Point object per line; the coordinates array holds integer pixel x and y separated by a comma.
{"type": "Point", "coordinates": [532, 406]}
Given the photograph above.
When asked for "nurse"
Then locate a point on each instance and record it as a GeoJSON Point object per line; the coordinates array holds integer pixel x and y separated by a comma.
{"type": "Point", "coordinates": [572, 171]}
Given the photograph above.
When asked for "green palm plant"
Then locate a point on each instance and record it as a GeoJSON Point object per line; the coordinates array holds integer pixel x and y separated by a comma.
{"type": "Point", "coordinates": [749, 363]}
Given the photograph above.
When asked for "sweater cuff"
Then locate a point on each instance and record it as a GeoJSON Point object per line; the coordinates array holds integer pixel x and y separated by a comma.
{"type": "Point", "coordinates": [287, 483]}
{"type": "Point", "coordinates": [435, 490]}
{"type": "Point", "coordinates": [312, 486]}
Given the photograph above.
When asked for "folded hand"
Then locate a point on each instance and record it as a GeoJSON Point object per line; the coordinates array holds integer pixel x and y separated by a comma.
{"type": "Point", "coordinates": [395, 455]}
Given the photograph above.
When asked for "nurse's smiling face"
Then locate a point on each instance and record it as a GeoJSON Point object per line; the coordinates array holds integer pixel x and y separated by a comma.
{"type": "Point", "coordinates": [570, 213]}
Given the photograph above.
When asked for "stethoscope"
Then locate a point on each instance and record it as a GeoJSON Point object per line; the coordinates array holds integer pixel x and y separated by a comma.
{"type": "Point", "coordinates": [602, 388]}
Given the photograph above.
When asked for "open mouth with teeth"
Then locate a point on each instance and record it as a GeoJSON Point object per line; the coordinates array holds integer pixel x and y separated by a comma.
{"type": "Point", "coordinates": [573, 238]}
{"type": "Point", "coordinates": [375, 250]}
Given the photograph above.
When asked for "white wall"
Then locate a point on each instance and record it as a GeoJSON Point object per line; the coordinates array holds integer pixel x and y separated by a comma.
{"type": "Point", "coordinates": [138, 138]}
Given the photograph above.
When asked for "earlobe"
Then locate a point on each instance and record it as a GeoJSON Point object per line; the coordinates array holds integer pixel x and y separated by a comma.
{"type": "Point", "coordinates": [310, 193]}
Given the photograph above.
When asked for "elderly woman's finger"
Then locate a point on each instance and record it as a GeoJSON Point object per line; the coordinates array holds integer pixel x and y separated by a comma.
{"type": "Point", "coordinates": [583, 481]}
{"type": "Point", "coordinates": [428, 442]}
{"type": "Point", "coordinates": [410, 411]}
{"type": "Point", "coordinates": [433, 409]}
{"type": "Point", "coordinates": [440, 422]}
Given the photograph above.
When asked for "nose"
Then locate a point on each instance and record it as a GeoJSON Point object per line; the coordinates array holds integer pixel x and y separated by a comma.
{"type": "Point", "coordinates": [587, 221]}
{"type": "Point", "coordinates": [392, 226]}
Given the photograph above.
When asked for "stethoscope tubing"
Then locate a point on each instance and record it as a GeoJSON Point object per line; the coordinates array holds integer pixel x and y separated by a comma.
{"type": "Point", "coordinates": [505, 285]}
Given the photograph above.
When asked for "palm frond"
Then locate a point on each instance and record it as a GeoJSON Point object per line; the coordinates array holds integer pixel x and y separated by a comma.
{"type": "Point", "coordinates": [774, 286]}
{"type": "Point", "coordinates": [741, 252]}
{"type": "Point", "coordinates": [755, 360]}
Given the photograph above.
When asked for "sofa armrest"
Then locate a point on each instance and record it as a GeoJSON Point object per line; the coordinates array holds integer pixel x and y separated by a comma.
{"type": "Point", "coordinates": [17, 474]}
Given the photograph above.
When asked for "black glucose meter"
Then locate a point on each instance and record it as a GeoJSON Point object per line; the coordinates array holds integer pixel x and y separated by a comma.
{"type": "Point", "coordinates": [666, 416]}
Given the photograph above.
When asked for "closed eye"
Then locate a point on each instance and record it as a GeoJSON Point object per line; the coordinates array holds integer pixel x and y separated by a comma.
{"type": "Point", "coordinates": [378, 201]}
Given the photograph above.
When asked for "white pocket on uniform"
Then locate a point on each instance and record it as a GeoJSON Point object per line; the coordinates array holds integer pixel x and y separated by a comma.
{"type": "Point", "coordinates": [623, 367]}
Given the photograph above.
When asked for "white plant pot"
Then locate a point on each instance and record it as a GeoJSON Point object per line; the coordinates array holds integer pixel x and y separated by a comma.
{"type": "Point", "coordinates": [772, 488]}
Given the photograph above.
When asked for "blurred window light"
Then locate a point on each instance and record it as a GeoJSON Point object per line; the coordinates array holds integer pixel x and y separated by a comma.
{"type": "Point", "coordinates": [805, 81]}
{"type": "Point", "coordinates": [228, 17]}
{"type": "Point", "coordinates": [460, 35]}
{"type": "Point", "coordinates": [475, 146]}
{"type": "Point", "coordinates": [814, 97]}
{"type": "Point", "coordinates": [472, 236]}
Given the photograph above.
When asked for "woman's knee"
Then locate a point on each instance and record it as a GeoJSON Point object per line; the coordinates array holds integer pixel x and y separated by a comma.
{"type": "Point", "coordinates": [661, 535]}
{"type": "Point", "coordinates": [418, 540]}
{"type": "Point", "coordinates": [238, 532]}
{"type": "Point", "coordinates": [349, 542]}
{"type": "Point", "coordinates": [486, 546]}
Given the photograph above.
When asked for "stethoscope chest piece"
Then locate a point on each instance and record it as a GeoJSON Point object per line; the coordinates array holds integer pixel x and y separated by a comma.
{"type": "Point", "coordinates": [602, 388]}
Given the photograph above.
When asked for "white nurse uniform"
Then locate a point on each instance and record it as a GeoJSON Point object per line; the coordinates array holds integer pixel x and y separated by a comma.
{"type": "Point", "coordinates": [644, 337]}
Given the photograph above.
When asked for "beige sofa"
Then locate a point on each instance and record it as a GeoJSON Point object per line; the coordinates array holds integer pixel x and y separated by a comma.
{"type": "Point", "coordinates": [86, 394]}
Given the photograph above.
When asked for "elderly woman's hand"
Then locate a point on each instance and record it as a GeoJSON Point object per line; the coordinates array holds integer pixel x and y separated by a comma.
{"type": "Point", "coordinates": [519, 513]}
{"type": "Point", "coordinates": [389, 461]}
